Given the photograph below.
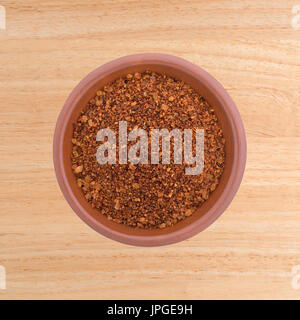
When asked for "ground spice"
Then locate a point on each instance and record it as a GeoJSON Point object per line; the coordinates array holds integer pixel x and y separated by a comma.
{"type": "Point", "coordinates": [145, 195]}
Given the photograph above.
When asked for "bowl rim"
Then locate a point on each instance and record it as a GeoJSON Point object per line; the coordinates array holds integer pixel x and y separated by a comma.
{"type": "Point", "coordinates": [230, 189]}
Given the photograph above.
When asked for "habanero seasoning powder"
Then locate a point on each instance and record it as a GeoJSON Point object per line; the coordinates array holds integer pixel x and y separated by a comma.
{"type": "Point", "coordinates": [146, 195]}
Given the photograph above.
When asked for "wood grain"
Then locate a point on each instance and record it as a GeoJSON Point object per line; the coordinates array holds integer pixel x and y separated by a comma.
{"type": "Point", "coordinates": [251, 48]}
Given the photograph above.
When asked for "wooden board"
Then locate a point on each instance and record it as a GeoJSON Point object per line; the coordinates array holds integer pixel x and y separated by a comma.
{"type": "Point", "coordinates": [251, 48]}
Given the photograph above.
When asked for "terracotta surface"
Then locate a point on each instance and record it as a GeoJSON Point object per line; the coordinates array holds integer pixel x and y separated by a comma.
{"type": "Point", "coordinates": [251, 48]}
{"type": "Point", "coordinates": [203, 83]}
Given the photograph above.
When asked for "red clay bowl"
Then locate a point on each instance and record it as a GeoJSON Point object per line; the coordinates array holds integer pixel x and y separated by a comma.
{"type": "Point", "coordinates": [229, 118]}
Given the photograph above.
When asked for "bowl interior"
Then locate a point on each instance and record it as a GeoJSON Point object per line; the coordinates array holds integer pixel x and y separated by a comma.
{"type": "Point", "coordinates": [87, 89]}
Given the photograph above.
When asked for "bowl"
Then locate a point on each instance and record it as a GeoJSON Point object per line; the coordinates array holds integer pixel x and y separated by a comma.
{"type": "Point", "coordinates": [204, 84]}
